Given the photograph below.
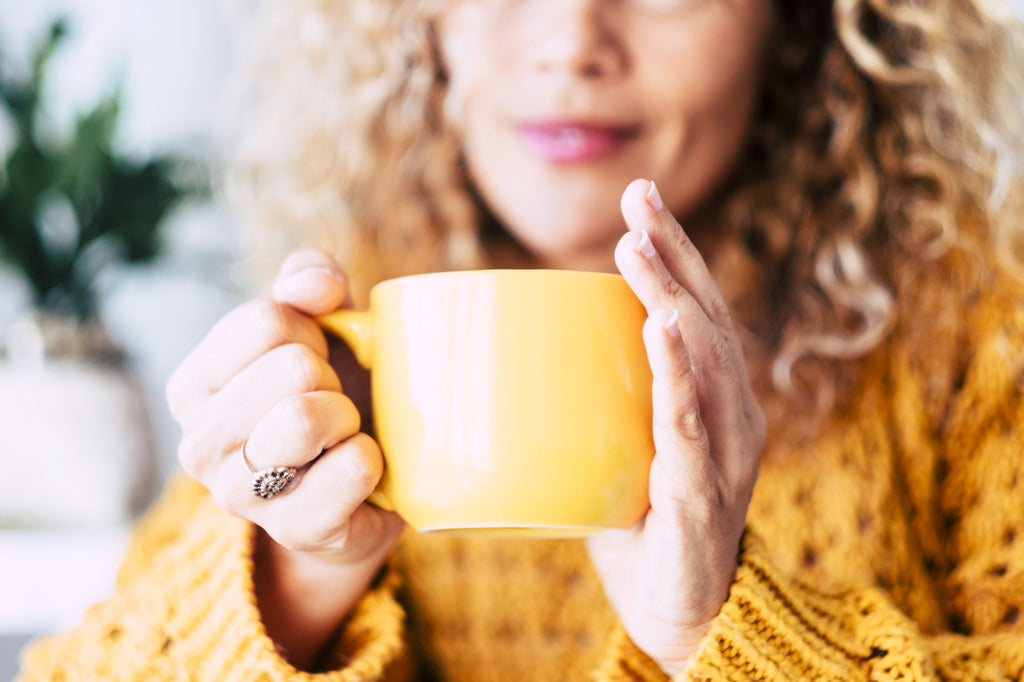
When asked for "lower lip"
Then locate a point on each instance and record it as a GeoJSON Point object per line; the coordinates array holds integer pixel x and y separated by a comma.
{"type": "Point", "coordinates": [573, 144]}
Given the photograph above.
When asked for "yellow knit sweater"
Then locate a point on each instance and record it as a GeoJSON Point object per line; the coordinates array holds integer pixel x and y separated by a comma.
{"type": "Point", "coordinates": [892, 547]}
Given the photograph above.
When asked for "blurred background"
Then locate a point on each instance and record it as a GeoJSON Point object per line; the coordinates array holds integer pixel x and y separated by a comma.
{"type": "Point", "coordinates": [115, 259]}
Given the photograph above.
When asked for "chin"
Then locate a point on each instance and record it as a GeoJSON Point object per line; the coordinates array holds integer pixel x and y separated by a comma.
{"type": "Point", "coordinates": [557, 213]}
{"type": "Point", "coordinates": [564, 225]}
{"type": "Point", "coordinates": [569, 244]}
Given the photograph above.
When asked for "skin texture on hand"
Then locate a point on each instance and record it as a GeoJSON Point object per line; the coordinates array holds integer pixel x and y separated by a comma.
{"type": "Point", "coordinates": [263, 377]}
{"type": "Point", "coordinates": [668, 577]}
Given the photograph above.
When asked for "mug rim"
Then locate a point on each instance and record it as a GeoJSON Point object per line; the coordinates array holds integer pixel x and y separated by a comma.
{"type": "Point", "coordinates": [494, 272]}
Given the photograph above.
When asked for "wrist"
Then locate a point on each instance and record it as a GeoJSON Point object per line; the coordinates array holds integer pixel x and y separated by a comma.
{"type": "Point", "coordinates": [304, 597]}
{"type": "Point", "coordinates": [321, 566]}
{"type": "Point", "coordinates": [679, 657]}
{"type": "Point", "coordinates": [674, 667]}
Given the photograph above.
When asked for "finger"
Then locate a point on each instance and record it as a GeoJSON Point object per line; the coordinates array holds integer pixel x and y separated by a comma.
{"type": "Point", "coordinates": [309, 282]}
{"type": "Point", "coordinates": [235, 341]}
{"type": "Point", "coordinates": [297, 429]}
{"type": "Point", "coordinates": [716, 352]}
{"type": "Point", "coordinates": [315, 509]}
{"type": "Point", "coordinates": [640, 263]}
{"type": "Point", "coordinates": [645, 272]}
{"type": "Point", "coordinates": [312, 282]}
{"type": "Point", "coordinates": [718, 367]}
{"type": "Point", "coordinates": [281, 373]}
{"type": "Point", "coordinates": [682, 466]}
{"type": "Point", "coordinates": [644, 211]}
{"type": "Point", "coordinates": [230, 415]}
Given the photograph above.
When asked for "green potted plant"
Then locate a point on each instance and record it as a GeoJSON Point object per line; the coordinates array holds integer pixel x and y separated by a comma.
{"type": "Point", "coordinates": [70, 206]}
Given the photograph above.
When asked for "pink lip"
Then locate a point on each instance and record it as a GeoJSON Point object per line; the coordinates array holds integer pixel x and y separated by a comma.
{"type": "Point", "coordinates": [573, 142]}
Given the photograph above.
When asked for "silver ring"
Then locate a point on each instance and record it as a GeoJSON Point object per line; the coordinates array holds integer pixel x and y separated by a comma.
{"type": "Point", "coordinates": [267, 483]}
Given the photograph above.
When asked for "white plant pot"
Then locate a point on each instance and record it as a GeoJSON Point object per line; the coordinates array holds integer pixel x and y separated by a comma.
{"type": "Point", "coordinates": [75, 439]}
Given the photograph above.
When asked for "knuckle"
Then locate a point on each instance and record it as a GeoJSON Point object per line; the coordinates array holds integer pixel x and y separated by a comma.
{"type": "Point", "coordinates": [173, 395]}
{"type": "Point", "coordinates": [302, 367]}
{"type": "Point", "coordinates": [201, 448]}
{"type": "Point", "coordinates": [719, 354]}
{"type": "Point", "coordinates": [684, 420]}
{"type": "Point", "coordinates": [364, 465]}
{"type": "Point", "coordinates": [182, 394]}
{"type": "Point", "coordinates": [269, 319]}
{"type": "Point", "coordinates": [230, 498]}
{"type": "Point", "coordinates": [682, 377]}
{"type": "Point", "coordinates": [689, 426]}
{"type": "Point", "coordinates": [350, 412]}
{"type": "Point", "coordinates": [190, 455]}
{"type": "Point", "coordinates": [361, 475]}
{"type": "Point", "coordinates": [301, 419]}
{"type": "Point", "coordinates": [719, 309]}
{"type": "Point", "coordinates": [674, 290]}
{"type": "Point", "coordinates": [685, 247]}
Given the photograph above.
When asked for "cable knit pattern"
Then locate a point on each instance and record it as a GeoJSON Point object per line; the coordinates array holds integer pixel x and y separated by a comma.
{"type": "Point", "coordinates": [890, 548]}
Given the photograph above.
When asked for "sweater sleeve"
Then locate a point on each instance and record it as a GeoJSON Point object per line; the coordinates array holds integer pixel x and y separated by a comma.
{"type": "Point", "coordinates": [185, 608]}
{"type": "Point", "coordinates": [774, 628]}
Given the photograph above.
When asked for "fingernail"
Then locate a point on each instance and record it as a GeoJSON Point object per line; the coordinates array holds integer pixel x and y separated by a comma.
{"type": "Point", "coordinates": [645, 247]}
{"type": "Point", "coordinates": [653, 198]}
{"type": "Point", "coordinates": [672, 326]}
{"type": "Point", "coordinates": [334, 274]}
{"type": "Point", "coordinates": [301, 282]}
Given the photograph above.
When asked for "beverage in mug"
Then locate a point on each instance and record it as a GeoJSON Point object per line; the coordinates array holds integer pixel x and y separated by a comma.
{"type": "Point", "coordinates": [508, 401]}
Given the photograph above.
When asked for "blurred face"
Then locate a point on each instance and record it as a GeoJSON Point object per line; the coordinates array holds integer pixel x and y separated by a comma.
{"type": "Point", "coordinates": [562, 103]}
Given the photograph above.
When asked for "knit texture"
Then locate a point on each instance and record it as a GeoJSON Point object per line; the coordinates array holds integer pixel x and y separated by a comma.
{"type": "Point", "coordinates": [892, 547]}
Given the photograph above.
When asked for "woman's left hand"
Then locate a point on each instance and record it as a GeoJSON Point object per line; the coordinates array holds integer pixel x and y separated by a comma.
{"type": "Point", "coordinates": [668, 576]}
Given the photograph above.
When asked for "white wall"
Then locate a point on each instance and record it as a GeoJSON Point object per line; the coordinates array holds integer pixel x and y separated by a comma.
{"type": "Point", "coordinates": [170, 56]}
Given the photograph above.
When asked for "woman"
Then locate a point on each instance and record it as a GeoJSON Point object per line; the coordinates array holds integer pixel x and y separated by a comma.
{"type": "Point", "coordinates": [824, 239]}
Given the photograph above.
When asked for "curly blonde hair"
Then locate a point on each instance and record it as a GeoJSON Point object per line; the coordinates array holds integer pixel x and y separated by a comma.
{"type": "Point", "coordinates": [882, 123]}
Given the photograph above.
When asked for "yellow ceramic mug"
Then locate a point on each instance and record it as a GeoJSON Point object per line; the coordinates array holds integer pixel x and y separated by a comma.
{"type": "Point", "coordinates": [508, 401]}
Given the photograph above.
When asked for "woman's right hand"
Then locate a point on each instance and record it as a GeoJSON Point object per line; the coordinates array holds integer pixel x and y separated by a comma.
{"type": "Point", "coordinates": [261, 378]}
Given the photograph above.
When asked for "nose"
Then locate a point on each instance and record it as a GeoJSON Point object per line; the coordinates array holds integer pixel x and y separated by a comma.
{"type": "Point", "coordinates": [581, 38]}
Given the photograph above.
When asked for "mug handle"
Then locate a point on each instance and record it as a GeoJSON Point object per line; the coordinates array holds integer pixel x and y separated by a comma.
{"type": "Point", "coordinates": [355, 328]}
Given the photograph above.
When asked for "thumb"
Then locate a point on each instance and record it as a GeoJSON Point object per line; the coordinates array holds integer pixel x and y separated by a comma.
{"type": "Point", "coordinates": [312, 282]}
